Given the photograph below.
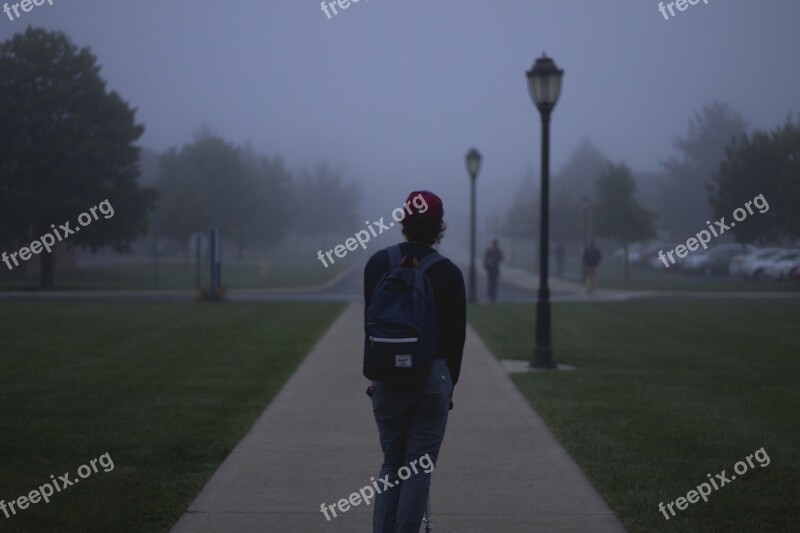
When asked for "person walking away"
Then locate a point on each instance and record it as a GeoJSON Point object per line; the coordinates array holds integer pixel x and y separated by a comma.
{"type": "Point", "coordinates": [591, 258]}
{"type": "Point", "coordinates": [411, 414]}
{"type": "Point", "coordinates": [491, 262]}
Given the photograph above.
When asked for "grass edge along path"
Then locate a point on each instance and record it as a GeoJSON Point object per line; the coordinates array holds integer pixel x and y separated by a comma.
{"type": "Point", "coordinates": [166, 390]}
{"type": "Point", "coordinates": [666, 393]}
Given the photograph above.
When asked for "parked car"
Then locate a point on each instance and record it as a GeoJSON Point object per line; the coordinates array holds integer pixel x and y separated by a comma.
{"type": "Point", "coordinates": [650, 252]}
{"type": "Point", "coordinates": [694, 261]}
{"type": "Point", "coordinates": [755, 268]}
{"type": "Point", "coordinates": [794, 273]}
{"type": "Point", "coordinates": [652, 259]}
{"type": "Point", "coordinates": [634, 252]}
{"type": "Point", "coordinates": [719, 261]}
{"type": "Point", "coordinates": [743, 265]}
{"type": "Point", "coordinates": [716, 260]}
{"type": "Point", "coordinates": [641, 253]}
{"type": "Point", "coordinates": [781, 264]}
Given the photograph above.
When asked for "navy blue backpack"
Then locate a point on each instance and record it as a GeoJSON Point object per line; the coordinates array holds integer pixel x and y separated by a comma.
{"type": "Point", "coordinates": [400, 324]}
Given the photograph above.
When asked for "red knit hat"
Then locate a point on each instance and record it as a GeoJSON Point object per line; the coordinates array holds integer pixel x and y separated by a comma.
{"type": "Point", "coordinates": [425, 204]}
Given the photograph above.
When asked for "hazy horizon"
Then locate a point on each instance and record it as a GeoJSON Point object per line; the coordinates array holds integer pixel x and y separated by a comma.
{"type": "Point", "coordinates": [395, 94]}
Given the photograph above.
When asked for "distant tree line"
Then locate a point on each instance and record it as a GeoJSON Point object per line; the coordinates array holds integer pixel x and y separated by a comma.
{"type": "Point", "coordinates": [252, 199]}
{"type": "Point", "coordinates": [718, 168]}
{"type": "Point", "coordinates": [67, 143]}
{"type": "Point", "coordinates": [763, 162]}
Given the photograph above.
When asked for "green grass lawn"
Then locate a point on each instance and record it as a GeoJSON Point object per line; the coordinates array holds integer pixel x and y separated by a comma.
{"type": "Point", "coordinates": [167, 390]}
{"type": "Point", "coordinates": [665, 393]}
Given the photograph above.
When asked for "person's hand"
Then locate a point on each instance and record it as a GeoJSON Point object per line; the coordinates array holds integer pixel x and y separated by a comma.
{"type": "Point", "coordinates": [370, 390]}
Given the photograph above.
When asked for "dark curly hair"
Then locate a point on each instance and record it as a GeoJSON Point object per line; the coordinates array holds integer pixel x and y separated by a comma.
{"type": "Point", "coordinates": [423, 230]}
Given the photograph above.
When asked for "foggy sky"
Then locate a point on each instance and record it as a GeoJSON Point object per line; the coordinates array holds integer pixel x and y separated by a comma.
{"type": "Point", "coordinates": [395, 92]}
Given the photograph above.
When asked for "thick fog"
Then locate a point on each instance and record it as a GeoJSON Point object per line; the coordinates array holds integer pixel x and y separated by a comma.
{"type": "Point", "coordinates": [394, 93]}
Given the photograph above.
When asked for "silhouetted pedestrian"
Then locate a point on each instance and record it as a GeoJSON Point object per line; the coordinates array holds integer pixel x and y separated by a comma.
{"type": "Point", "coordinates": [591, 258]}
{"type": "Point", "coordinates": [491, 262]}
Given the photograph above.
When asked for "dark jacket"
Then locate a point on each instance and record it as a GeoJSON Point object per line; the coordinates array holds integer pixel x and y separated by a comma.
{"type": "Point", "coordinates": [592, 256]}
{"type": "Point", "coordinates": [448, 293]}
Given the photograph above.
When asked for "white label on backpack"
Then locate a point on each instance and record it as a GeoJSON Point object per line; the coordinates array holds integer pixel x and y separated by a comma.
{"type": "Point", "coordinates": [402, 360]}
{"type": "Point", "coordinates": [384, 339]}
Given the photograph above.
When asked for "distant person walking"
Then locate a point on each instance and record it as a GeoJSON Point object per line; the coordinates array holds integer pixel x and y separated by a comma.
{"type": "Point", "coordinates": [411, 414]}
{"type": "Point", "coordinates": [591, 258]}
{"type": "Point", "coordinates": [491, 262]}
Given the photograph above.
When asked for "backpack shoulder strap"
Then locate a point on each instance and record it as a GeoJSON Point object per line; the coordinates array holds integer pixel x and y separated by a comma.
{"type": "Point", "coordinates": [430, 260]}
{"type": "Point", "coordinates": [395, 255]}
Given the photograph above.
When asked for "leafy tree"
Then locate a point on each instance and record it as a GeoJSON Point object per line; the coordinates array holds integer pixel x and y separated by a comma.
{"type": "Point", "coordinates": [566, 218]}
{"type": "Point", "coordinates": [616, 211]}
{"type": "Point", "coordinates": [66, 145]}
{"type": "Point", "coordinates": [684, 198]}
{"type": "Point", "coordinates": [569, 186]}
{"type": "Point", "coordinates": [572, 183]}
{"type": "Point", "coordinates": [203, 185]}
{"type": "Point", "coordinates": [522, 218]}
{"type": "Point", "coordinates": [275, 192]}
{"type": "Point", "coordinates": [765, 163]}
{"type": "Point", "coordinates": [325, 203]}
{"type": "Point", "coordinates": [577, 176]}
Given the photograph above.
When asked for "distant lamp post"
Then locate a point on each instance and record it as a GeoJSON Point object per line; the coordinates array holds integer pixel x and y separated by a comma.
{"type": "Point", "coordinates": [473, 167]}
{"type": "Point", "coordinates": [585, 203]}
{"type": "Point", "coordinates": [544, 85]}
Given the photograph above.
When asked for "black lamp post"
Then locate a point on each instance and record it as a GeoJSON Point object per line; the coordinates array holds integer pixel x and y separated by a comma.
{"type": "Point", "coordinates": [544, 85]}
{"type": "Point", "coordinates": [585, 205]}
{"type": "Point", "coordinates": [473, 166]}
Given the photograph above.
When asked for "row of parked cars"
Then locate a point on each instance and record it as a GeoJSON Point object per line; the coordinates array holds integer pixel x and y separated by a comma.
{"type": "Point", "coordinates": [736, 260]}
{"type": "Point", "coordinates": [767, 263]}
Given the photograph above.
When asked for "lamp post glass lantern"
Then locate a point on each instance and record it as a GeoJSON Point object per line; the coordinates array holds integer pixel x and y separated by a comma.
{"type": "Point", "coordinates": [473, 167]}
{"type": "Point", "coordinates": [544, 83]}
{"type": "Point", "coordinates": [473, 162]}
{"type": "Point", "coordinates": [544, 86]}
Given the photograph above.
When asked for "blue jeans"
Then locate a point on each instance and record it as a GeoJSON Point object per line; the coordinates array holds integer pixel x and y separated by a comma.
{"type": "Point", "coordinates": [411, 423]}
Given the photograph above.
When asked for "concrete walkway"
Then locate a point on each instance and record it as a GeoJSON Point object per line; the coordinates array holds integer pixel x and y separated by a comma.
{"type": "Point", "coordinates": [500, 468]}
{"type": "Point", "coordinates": [564, 289]}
